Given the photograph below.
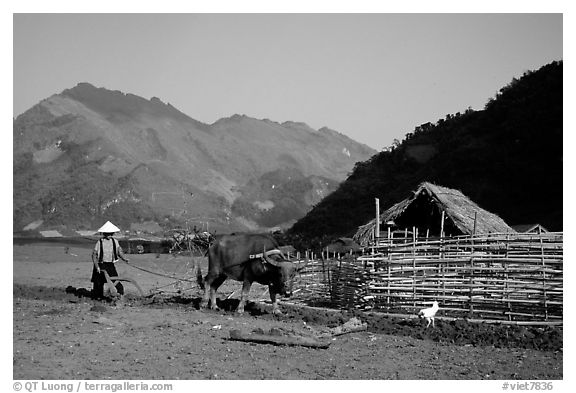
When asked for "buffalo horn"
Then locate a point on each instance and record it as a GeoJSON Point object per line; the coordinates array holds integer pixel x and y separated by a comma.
{"type": "Point", "coordinates": [268, 260]}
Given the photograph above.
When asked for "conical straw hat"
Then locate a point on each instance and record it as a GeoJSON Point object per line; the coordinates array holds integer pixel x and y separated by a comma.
{"type": "Point", "coordinates": [108, 228]}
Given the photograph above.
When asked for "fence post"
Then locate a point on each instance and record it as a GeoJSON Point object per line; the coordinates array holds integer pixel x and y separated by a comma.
{"type": "Point", "coordinates": [472, 277]}
{"type": "Point", "coordinates": [543, 274]}
{"type": "Point", "coordinates": [389, 271]}
{"type": "Point", "coordinates": [444, 265]}
{"type": "Point", "coordinates": [506, 276]}
{"type": "Point", "coordinates": [443, 270]}
{"type": "Point", "coordinates": [329, 274]}
{"type": "Point", "coordinates": [377, 226]}
{"type": "Point", "coordinates": [414, 266]}
{"type": "Point", "coordinates": [442, 225]}
{"type": "Point", "coordinates": [324, 280]}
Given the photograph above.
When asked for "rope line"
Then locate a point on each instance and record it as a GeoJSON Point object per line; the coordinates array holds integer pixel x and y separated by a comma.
{"type": "Point", "coordinates": [159, 274]}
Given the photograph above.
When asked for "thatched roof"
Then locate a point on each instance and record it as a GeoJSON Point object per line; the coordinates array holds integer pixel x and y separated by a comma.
{"type": "Point", "coordinates": [431, 200]}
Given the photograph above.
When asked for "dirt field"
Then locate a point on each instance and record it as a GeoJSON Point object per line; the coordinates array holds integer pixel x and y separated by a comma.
{"type": "Point", "coordinates": [61, 333]}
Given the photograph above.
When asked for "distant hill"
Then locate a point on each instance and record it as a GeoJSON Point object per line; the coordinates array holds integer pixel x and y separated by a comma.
{"type": "Point", "coordinates": [90, 154]}
{"type": "Point", "coordinates": [507, 158]}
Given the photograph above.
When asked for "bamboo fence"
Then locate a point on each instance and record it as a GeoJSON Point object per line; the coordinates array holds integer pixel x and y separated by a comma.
{"type": "Point", "coordinates": [497, 277]}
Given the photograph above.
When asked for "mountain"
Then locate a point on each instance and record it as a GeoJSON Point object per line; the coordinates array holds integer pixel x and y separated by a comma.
{"type": "Point", "coordinates": [90, 154]}
{"type": "Point", "coordinates": [507, 158]}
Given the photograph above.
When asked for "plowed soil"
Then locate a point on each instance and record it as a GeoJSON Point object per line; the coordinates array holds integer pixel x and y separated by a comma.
{"type": "Point", "coordinates": [60, 332]}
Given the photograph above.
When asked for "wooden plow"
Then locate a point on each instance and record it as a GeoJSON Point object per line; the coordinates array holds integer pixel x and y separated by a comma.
{"type": "Point", "coordinates": [111, 281]}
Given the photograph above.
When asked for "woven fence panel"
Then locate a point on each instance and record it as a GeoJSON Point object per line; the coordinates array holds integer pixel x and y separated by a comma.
{"type": "Point", "coordinates": [512, 277]}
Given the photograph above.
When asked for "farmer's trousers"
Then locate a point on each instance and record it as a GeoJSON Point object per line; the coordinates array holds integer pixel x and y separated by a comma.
{"type": "Point", "coordinates": [99, 280]}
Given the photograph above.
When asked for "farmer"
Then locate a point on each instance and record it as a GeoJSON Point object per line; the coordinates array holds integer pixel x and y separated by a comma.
{"type": "Point", "coordinates": [106, 253]}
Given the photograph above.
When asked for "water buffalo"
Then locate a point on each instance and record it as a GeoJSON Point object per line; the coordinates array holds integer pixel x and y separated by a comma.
{"type": "Point", "coordinates": [248, 258]}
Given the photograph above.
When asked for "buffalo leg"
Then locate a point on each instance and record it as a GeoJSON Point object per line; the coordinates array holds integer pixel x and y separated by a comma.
{"type": "Point", "coordinates": [211, 284]}
{"type": "Point", "coordinates": [213, 288]}
{"type": "Point", "coordinates": [207, 285]}
{"type": "Point", "coordinates": [275, 300]}
{"type": "Point", "coordinates": [245, 290]}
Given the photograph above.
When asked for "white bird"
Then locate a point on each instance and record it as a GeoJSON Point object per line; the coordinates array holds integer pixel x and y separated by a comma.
{"type": "Point", "coordinates": [429, 313]}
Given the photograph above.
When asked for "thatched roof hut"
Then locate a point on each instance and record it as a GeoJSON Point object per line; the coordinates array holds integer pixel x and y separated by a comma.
{"type": "Point", "coordinates": [423, 210]}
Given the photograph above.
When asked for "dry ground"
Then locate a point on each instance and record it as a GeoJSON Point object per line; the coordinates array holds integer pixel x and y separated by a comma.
{"type": "Point", "coordinates": [60, 335]}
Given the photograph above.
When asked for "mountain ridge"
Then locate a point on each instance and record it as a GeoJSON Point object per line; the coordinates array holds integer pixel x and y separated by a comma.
{"type": "Point", "coordinates": [179, 169]}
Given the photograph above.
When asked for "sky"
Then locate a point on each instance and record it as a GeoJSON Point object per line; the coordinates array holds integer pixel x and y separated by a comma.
{"type": "Point", "coordinates": [372, 76]}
